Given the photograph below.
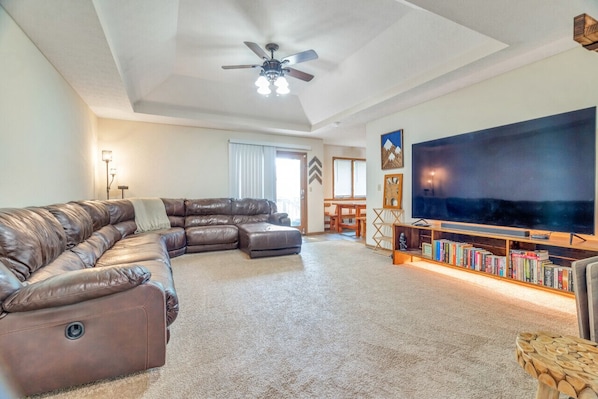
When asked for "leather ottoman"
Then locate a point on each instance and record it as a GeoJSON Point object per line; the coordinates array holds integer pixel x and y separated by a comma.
{"type": "Point", "coordinates": [265, 239]}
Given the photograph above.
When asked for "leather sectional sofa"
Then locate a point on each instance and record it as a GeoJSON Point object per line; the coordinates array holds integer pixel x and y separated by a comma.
{"type": "Point", "coordinates": [85, 296]}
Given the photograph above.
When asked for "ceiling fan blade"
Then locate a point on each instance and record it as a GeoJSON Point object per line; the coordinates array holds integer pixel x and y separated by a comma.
{"type": "Point", "coordinates": [298, 74]}
{"type": "Point", "coordinates": [258, 50]}
{"type": "Point", "coordinates": [303, 56]}
{"type": "Point", "coordinates": [239, 66]}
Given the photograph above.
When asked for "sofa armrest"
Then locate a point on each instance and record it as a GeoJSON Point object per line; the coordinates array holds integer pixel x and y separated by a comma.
{"type": "Point", "coordinates": [76, 286]}
{"type": "Point", "coordinates": [122, 333]}
{"type": "Point", "coordinates": [280, 218]}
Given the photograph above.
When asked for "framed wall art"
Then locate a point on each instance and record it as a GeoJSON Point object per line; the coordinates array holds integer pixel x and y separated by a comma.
{"type": "Point", "coordinates": [393, 191]}
{"type": "Point", "coordinates": [392, 150]}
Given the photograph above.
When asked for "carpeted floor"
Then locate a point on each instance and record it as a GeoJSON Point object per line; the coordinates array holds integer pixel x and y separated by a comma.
{"type": "Point", "coordinates": [339, 321]}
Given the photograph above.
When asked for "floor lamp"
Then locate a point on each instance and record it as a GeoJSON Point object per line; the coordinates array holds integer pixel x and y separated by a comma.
{"type": "Point", "coordinates": [107, 157]}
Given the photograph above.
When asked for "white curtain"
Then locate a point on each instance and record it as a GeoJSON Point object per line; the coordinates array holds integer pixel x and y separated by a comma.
{"type": "Point", "coordinates": [252, 171]}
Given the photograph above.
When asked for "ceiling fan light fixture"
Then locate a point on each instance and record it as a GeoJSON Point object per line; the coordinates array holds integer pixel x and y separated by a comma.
{"type": "Point", "coordinates": [281, 82]}
{"type": "Point", "coordinates": [283, 90]}
{"type": "Point", "coordinates": [262, 81]}
{"type": "Point", "coordinates": [264, 90]}
{"type": "Point", "coordinates": [273, 70]}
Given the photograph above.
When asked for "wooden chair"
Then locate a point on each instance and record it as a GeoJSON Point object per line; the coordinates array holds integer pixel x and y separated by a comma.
{"type": "Point", "coordinates": [361, 221]}
{"type": "Point", "coordinates": [332, 216]}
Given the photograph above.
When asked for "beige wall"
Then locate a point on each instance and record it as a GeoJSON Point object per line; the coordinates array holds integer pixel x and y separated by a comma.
{"type": "Point", "coordinates": [186, 162]}
{"type": "Point", "coordinates": [561, 83]}
{"type": "Point", "coordinates": [47, 133]}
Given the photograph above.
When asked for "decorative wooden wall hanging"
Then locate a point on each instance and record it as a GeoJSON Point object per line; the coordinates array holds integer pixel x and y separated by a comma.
{"type": "Point", "coordinates": [315, 170]}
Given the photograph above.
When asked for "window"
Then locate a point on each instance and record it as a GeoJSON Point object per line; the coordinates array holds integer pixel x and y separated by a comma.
{"type": "Point", "coordinates": [349, 178]}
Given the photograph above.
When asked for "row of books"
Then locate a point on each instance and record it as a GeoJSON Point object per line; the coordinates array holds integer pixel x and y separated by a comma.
{"type": "Point", "coordinates": [529, 266]}
{"type": "Point", "coordinates": [536, 267]}
{"type": "Point", "coordinates": [466, 255]}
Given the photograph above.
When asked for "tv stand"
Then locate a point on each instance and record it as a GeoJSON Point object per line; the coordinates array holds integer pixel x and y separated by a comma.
{"type": "Point", "coordinates": [506, 255]}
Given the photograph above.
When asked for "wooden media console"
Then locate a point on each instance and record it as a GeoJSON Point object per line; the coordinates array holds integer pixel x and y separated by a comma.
{"type": "Point", "coordinates": [541, 263]}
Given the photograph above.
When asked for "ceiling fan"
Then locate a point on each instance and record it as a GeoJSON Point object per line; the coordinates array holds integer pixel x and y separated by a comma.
{"type": "Point", "coordinates": [273, 71]}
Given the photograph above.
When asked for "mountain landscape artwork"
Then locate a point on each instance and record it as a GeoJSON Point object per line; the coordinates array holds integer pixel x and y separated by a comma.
{"type": "Point", "coordinates": [392, 150]}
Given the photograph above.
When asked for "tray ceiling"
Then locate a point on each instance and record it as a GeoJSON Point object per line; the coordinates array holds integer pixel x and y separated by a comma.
{"type": "Point", "coordinates": [160, 60]}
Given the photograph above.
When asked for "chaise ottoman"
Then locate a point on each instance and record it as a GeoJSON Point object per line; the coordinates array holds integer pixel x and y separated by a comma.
{"type": "Point", "coordinates": [265, 239]}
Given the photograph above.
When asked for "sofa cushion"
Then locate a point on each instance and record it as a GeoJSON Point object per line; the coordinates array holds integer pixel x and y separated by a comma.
{"type": "Point", "coordinates": [120, 210]}
{"type": "Point", "coordinates": [174, 207]}
{"type": "Point", "coordinates": [273, 207]}
{"type": "Point", "coordinates": [250, 206]}
{"type": "Point", "coordinates": [77, 286]}
{"type": "Point", "coordinates": [207, 235]}
{"type": "Point", "coordinates": [175, 210]}
{"type": "Point", "coordinates": [208, 220]}
{"type": "Point", "coordinates": [212, 206]}
{"type": "Point", "coordinates": [9, 283]}
{"type": "Point", "coordinates": [245, 219]}
{"type": "Point", "coordinates": [75, 221]}
{"type": "Point", "coordinates": [126, 228]}
{"type": "Point", "coordinates": [97, 211]}
{"type": "Point", "coordinates": [29, 239]}
{"type": "Point", "coordinates": [174, 238]}
{"type": "Point", "coordinates": [137, 248]}
{"type": "Point", "coordinates": [66, 262]}
{"type": "Point", "coordinates": [110, 234]}
{"type": "Point", "coordinates": [95, 246]}
{"type": "Point", "coordinates": [176, 221]}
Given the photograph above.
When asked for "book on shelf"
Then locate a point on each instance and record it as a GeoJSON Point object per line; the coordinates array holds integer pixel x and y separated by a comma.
{"type": "Point", "coordinates": [427, 250]}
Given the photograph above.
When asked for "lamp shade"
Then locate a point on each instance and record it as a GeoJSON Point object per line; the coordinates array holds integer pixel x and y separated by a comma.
{"type": "Point", "coordinates": [262, 81]}
{"type": "Point", "coordinates": [106, 155]}
{"type": "Point", "coordinates": [281, 82]}
{"type": "Point", "coordinates": [265, 90]}
{"type": "Point", "coordinates": [282, 90]}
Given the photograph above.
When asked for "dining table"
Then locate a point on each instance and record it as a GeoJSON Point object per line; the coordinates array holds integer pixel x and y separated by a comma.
{"type": "Point", "coordinates": [353, 213]}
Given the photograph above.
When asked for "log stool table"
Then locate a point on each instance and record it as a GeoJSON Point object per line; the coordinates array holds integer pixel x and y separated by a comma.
{"type": "Point", "coordinates": [564, 364]}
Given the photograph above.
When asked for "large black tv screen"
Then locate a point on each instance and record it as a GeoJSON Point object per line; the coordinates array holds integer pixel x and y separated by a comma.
{"type": "Point", "coordinates": [538, 174]}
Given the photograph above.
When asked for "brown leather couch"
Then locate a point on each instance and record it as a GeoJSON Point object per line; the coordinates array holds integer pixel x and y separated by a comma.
{"type": "Point", "coordinates": [212, 224]}
{"type": "Point", "coordinates": [84, 297]}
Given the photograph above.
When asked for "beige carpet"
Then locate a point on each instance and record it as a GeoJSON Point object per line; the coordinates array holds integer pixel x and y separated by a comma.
{"type": "Point", "coordinates": [338, 321]}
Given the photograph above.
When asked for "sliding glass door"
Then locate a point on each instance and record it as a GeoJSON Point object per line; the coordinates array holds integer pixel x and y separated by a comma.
{"type": "Point", "coordinates": [291, 187]}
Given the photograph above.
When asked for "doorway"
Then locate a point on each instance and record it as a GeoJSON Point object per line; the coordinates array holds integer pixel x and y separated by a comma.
{"type": "Point", "coordinates": [291, 187]}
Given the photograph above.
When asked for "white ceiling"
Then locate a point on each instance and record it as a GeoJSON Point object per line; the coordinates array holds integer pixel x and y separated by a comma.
{"type": "Point", "coordinates": [160, 60]}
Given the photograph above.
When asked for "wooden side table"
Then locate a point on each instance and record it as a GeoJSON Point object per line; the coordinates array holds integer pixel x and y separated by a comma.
{"type": "Point", "coordinates": [564, 364]}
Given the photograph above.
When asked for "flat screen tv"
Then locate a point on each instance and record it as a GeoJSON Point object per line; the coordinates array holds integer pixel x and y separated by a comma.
{"type": "Point", "coordinates": [537, 175]}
